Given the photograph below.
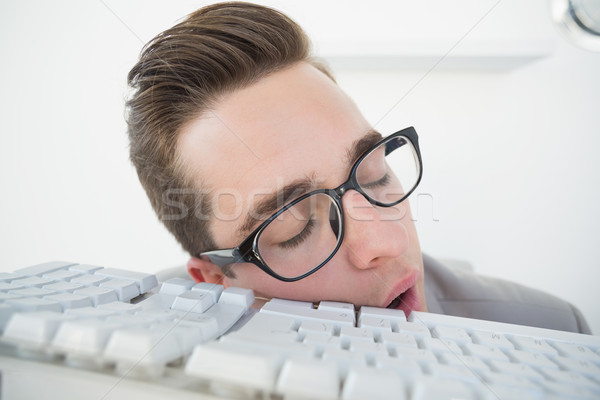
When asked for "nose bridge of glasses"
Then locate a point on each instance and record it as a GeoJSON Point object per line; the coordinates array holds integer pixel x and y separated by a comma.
{"type": "Point", "coordinates": [341, 190]}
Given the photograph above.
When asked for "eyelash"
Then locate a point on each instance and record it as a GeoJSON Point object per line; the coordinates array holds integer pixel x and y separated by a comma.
{"type": "Point", "coordinates": [299, 238]}
{"type": "Point", "coordinates": [381, 182]}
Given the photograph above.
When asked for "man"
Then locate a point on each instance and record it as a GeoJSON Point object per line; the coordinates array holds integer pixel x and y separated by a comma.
{"type": "Point", "coordinates": [268, 174]}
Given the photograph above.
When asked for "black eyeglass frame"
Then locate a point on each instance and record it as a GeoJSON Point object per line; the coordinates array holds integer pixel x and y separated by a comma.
{"type": "Point", "coordinates": [247, 251]}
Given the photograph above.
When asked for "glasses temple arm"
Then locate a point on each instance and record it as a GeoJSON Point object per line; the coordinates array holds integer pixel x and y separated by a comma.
{"type": "Point", "coordinates": [223, 257]}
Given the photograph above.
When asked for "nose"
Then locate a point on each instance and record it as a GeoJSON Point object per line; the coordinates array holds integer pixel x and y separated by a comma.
{"type": "Point", "coordinates": [373, 234]}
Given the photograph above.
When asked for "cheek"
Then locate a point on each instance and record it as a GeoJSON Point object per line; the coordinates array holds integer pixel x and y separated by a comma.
{"type": "Point", "coordinates": [251, 277]}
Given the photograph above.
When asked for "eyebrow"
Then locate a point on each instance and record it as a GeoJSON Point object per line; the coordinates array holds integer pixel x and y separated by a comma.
{"type": "Point", "coordinates": [360, 146]}
{"type": "Point", "coordinates": [276, 200]}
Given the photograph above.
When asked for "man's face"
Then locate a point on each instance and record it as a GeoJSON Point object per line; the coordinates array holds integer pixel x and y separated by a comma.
{"type": "Point", "coordinates": [294, 125]}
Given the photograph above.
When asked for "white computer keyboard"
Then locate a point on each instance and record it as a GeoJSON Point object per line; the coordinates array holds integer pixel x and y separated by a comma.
{"type": "Point", "coordinates": [84, 332]}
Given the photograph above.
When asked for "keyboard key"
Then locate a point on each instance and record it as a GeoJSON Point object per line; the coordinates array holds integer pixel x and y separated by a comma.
{"type": "Point", "coordinates": [32, 292]}
{"type": "Point", "coordinates": [6, 311]}
{"type": "Point", "coordinates": [508, 380]}
{"type": "Point", "coordinates": [284, 344]}
{"type": "Point", "coordinates": [515, 369]}
{"type": "Point", "coordinates": [63, 274]}
{"type": "Point", "coordinates": [584, 367]}
{"type": "Point", "coordinates": [312, 326]}
{"type": "Point", "coordinates": [83, 338]}
{"type": "Point", "coordinates": [213, 290]}
{"type": "Point", "coordinates": [369, 349]}
{"type": "Point", "coordinates": [205, 328]}
{"type": "Point", "coordinates": [422, 356]}
{"type": "Point", "coordinates": [196, 302]}
{"type": "Point", "coordinates": [336, 306]}
{"type": "Point", "coordinates": [88, 279]}
{"type": "Point", "coordinates": [34, 329]}
{"type": "Point", "coordinates": [7, 296]}
{"type": "Point", "coordinates": [369, 383]}
{"type": "Point", "coordinates": [28, 304]}
{"type": "Point", "coordinates": [69, 300]}
{"type": "Point", "coordinates": [41, 269]}
{"type": "Point", "coordinates": [484, 352]}
{"type": "Point", "coordinates": [9, 286]}
{"type": "Point", "coordinates": [85, 268]}
{"type": "Point", "coordinates": [454, 372]}
{"type": "Point", "coordinates": [345, 360]}
{"type": "Point", "coordinates": [125, 289]}
{"type": "Point", "coordinates": [297, 372]}
{"type": "Point", "coordinates": [492, 339]}
{"type": "Point", "coordinates": [120, 307]}
{"type": "Point", "coordinates": [473, 363]}
{"type": "Point", "coordinates": [429, 388]}
{"type": "Point", "coordinates": [33, 281]}
{"type": "Point", "coordinates": [571, 379]}
{"type": "Point", "coordinates": [176, 286]}
{"type": "Point", "coordinates": [415, 329]}
{"type": "Point", "coordinates": [531, 359]}
{"type": "Point", "coordinates": [383, 313]}
{"type": "Point", "coordinates": [533, 345]}
{"type": "Point", "coordinates": [407, 369]}
{"type": "Point", "coordinates": [144, 281]}
{"type": "Point", "coordinates": [98, 295]}
{"type": "Point", "coordinates": [267, 324]}
{"type": "Point", "coordinates": [351, 333]}
{"type": "Point", "coordinates": [237, 297]}
{"type": "Point", "coordinates": [64, 286]}
{"type": "Point", "coordinates": [292, 303]}
{"type": "Point", "coordinates": [10, 276]}
{"type": "Point", "coordinates": [129, 321]}
{"type": "Point", "coordinates": [300, 313]}
{"type": "Point", "coordinates": [149, 347]}
{"type": "Point", "coordinates": [393, 339]}
{"type": "Point", "coordinates": [564, 391]}
{"type": "Point", "coordinates": [518, 393]}
{"type": "Point", "coordinates": [235, 364]}
{"type": "Point", "coordinates": [377, 325]}
{"type": "Point", "coordinates": [441, 346]}
{"type": "Point", "coordinates": [273, 337]}
{"type": "Point", "coordinates": [226, 315]}
{"type": "Point", "coordinates": [322, 342]}
{"type": "Point", "coordinates": [571, 350]}
{"type": "Point", "coordinates": [457, 335]}
{"type": "Point", "coordinates": [91, 312]}
{"type": "Point", "coordinates": [159, 314]}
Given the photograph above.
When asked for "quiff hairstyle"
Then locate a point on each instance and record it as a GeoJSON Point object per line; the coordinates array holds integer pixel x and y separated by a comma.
{"type": "Point", "coordinates": [180, 75]}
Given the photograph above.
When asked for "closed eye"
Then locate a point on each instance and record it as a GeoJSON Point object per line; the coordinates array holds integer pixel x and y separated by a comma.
{"type": "Point", "coordinates": [300, 237]}
{"type": "Point", "coordinates": [378, 183]}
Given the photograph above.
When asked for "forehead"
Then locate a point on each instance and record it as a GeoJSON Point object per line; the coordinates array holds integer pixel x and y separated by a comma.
{"type": "Point", "coordinates": [293, 124]}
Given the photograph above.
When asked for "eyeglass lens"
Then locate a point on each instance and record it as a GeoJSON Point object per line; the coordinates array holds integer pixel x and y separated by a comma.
{"type": "Point", "coordinates": [302, 237]}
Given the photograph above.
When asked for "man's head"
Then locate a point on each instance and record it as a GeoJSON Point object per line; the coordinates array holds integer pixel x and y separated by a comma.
{"type": "Point", "coordinates": [230, 109]}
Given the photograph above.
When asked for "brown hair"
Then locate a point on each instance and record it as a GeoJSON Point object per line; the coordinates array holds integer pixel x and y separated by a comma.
{"type": "Point", "coordinates": [180, 74]}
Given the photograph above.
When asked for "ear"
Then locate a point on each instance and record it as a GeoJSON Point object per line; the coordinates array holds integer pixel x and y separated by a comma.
{"type": "Point", "coordinates": [203, 270]}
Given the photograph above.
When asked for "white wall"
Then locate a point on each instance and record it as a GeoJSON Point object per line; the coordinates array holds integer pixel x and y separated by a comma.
{"type": "Point", "coordinates": [510, 152]}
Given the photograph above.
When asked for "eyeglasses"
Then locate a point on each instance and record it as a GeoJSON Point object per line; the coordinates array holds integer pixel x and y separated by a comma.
{"type": "Point", "coordinates": [305, 234]}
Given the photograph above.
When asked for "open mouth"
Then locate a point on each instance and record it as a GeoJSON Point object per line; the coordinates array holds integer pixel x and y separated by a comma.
{"type": "Point", "coordinates": [407, 295]}
{"type": "Point", "coordinates": [408, 301]}
{"type": "Point", "coordinates": [396, 302]}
